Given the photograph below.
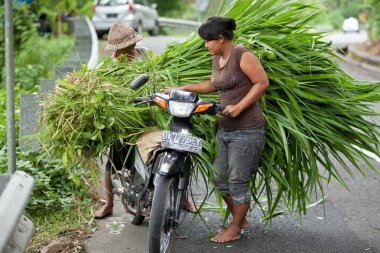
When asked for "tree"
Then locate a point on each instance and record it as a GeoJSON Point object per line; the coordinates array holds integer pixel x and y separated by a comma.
{"type": "Point", "coordinates": [24, 29]}
{"type": "Point", "coordinates": [167, 7]}
{"type": "Point", "coordinates": [374, 17]}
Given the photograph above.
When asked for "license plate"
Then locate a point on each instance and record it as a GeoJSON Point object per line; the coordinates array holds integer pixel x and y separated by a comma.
{"type": "Point", "coordinates": [112, 15]}
{"type": "Point", "coordinates": [182, 142]}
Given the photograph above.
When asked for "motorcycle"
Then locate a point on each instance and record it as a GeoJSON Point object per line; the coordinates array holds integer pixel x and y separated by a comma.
{"type": "Point", "coordinates": [155, 189]}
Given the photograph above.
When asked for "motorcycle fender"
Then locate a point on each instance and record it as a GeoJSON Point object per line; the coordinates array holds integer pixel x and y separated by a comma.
{"type": "Point", "coordinates": [143, 171]}
{"type": "Point", "coordinates": [168, 163]}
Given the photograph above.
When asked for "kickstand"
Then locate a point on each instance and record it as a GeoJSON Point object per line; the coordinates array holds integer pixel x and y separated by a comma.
{"type": "Point", "coordinates": [178, 236]}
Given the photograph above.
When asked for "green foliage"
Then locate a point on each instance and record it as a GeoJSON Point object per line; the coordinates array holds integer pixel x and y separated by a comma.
{"type": "Point", "coordinates": [168, 7]}
{"type": "Point", "coordinates": [374, 18]}
{"type": "Point", "coordinates": [34, 57]}
{"type": "Point", "coordinates": [51, 7]}
{"type": "Point", "coordinates": [36, 61]}
{"type": "Point", "coordinates": [56, 186]}
{"type": "Point", "coordinates": [336, 18]}
{"type": "Point", "coordinates": [38, 57]}
{"type": "Point", "coordinates": [335, 11]}
{"type": "Point", "coordinates": [3, 127]}
{"type": "Point", "coordinates": [24, 29]}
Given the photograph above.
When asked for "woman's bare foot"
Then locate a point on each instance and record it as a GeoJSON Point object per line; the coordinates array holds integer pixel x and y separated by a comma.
{"type": "Point", "coordinates": [243, 226]}
{"type": "Point", "coordinates": [232, 233]}
{"type": "Point", "coordinates": [104, 211]}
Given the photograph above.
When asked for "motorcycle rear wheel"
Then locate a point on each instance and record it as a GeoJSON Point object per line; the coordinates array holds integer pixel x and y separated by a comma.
{"type": "Point", "coordinates": [162, 215]}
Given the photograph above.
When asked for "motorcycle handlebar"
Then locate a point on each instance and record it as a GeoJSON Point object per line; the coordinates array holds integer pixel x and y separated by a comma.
{"type": "Point", "coordinates": [221, 108]}
{"type": "Point", "coordinates": [140, 100]}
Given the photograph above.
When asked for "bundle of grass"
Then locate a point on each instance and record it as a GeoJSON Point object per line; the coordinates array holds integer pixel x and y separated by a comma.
{"type": "Point", "coordinates": [314, 111]}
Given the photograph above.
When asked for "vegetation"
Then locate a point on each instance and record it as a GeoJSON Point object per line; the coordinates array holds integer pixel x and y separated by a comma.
{"type": "Point", "coordinates": [59, 193]}
{"type": "Point", "coordinates": [374, 18]}
{"type": "Point", "coordinates": [34, 56]}
{"type": "Point", "coordinates": [296, 138]}
{"type": "Point", "coordinates": [24, 29]}
{"type": "Point", "coordinates": [314, 111]}
{"type": "Point", "coordinates": [337, 10]}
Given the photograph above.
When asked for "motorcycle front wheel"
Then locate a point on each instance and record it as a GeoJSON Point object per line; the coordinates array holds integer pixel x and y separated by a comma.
{"type": "Point", "coordinates": [162, 215]}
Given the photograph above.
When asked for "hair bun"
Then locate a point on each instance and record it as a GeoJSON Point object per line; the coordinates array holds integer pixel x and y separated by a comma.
{"type": "Point", "coordinates": [215, 26]}
{"type": "Point", "coordinates": [232, 24]}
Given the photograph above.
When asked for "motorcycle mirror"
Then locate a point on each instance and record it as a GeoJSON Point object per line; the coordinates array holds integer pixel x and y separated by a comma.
{"type": "Point", "coordinates": [139, 81]}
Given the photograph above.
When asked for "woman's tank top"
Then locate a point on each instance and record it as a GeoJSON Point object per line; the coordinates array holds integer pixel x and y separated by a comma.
{"type": "Point", "coordinates": [233, 85]}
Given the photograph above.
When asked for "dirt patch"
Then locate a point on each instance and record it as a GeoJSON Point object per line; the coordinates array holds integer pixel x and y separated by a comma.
{"type": "Point", "coordinates": [371, 47]}
{"type": "Point", "coordinates": [70, 241]}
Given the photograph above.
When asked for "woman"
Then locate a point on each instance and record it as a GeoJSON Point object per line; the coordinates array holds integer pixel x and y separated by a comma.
{"type": "Point", "coordinates": [240, 80]}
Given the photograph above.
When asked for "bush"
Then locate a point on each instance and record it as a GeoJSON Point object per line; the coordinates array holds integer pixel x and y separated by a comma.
{"type": "Point", "coordinates": [3, 120]}
{"type": "Point", "coordinates": [37, 59]}
{"type": "Point", "coordinates": [56, 187]}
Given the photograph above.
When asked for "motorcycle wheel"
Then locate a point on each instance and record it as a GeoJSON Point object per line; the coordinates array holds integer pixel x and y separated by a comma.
{"type": "Point", "coordinates": [162, 215]}
{"type": "Point", "coordinates": [136, 219]}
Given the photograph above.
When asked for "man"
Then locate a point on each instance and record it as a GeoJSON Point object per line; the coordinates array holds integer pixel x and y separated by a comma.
{"type": "Point", "coordinates": [122, 40]}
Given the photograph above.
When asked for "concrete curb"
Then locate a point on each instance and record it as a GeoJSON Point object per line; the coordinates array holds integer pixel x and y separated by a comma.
{"type": "Point", "coordinates": [362, 59]}
{"type": "Point", "coordinates": [93, 61]}
{"type": "Point", "coordinates": [360, 62]}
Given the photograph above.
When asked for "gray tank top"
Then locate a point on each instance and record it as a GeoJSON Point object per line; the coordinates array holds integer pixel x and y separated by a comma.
{"type": "Point", "coordinates": [233, 85]}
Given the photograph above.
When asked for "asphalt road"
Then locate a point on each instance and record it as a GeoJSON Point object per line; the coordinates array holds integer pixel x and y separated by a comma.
{"type": "Point", "coordinates": [349, 221]}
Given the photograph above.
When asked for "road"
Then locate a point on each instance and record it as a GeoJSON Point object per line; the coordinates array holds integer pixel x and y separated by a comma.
{"type": "Point", "coordinates": [348, 222]}
{"type": "Point", "coordinates": [341, 39]}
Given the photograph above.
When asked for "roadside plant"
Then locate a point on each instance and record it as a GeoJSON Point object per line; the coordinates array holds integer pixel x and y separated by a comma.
{"type": "Point", "coordinates": [56, 187]}
{"type": "Point", "coordinates": [315, 113]}
{"type": "Point", "coordinates": [24, 29]}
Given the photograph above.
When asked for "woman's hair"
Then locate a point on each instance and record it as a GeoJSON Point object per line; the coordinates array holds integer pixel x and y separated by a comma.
{"type": "Point", "coordinates": [215, 26]}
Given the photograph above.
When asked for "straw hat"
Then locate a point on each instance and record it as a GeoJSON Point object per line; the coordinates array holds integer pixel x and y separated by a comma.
{"type": "Point", "coordinates": [121, 36]}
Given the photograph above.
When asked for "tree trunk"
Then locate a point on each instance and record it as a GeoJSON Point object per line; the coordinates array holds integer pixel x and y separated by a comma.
{"type": "Point", "coordinates": [59, 21]}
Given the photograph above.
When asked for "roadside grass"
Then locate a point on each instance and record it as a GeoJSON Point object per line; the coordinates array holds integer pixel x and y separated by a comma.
{"type": "Point", "coordinates": [60, 225]}
{"type": "Point", "coordinates": [60, 206]}
{"type": "Point", "coordinates": [38, 58]}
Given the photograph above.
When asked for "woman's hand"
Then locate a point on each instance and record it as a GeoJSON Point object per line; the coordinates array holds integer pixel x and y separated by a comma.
{"type": "Point", "coordinates": [167, 90]}
{"type": "Point", "coordinates": [232, 111]}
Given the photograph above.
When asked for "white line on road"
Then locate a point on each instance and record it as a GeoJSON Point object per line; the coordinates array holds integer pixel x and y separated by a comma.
{"type": "Point", "coordinates": [367, 153]}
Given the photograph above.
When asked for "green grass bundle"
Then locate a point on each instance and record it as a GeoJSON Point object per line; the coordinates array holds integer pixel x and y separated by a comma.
{"type": "Point", "coordinates": [315, 113]}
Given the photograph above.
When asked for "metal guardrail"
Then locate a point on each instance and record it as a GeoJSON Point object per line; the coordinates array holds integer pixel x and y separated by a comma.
{"type": "Point", "coordinates": [178, 23]}
{"type": "Point", "coordinates": [93, 61]}
{"type": "Point", "coordinates": [15, 228]}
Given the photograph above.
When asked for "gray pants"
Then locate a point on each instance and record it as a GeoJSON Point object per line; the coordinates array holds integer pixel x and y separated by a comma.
{"type": "Point", "coordinates": [238, 160]}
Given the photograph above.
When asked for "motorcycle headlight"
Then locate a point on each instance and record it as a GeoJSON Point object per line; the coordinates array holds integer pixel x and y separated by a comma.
{"type": "Point", "coordinates": [180, 109]}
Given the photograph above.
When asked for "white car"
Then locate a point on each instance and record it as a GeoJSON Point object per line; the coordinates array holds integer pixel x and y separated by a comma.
{"type": "Point", "coordinates": [137, 13]}
{"type": "Point", "coordinates": [351, 25]}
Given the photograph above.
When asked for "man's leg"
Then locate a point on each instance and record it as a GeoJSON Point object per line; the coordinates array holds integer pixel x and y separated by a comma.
{"type": "Point", "coordinates": [188, 204]}
{"type": "Point", "coordinates": [107, 209]}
